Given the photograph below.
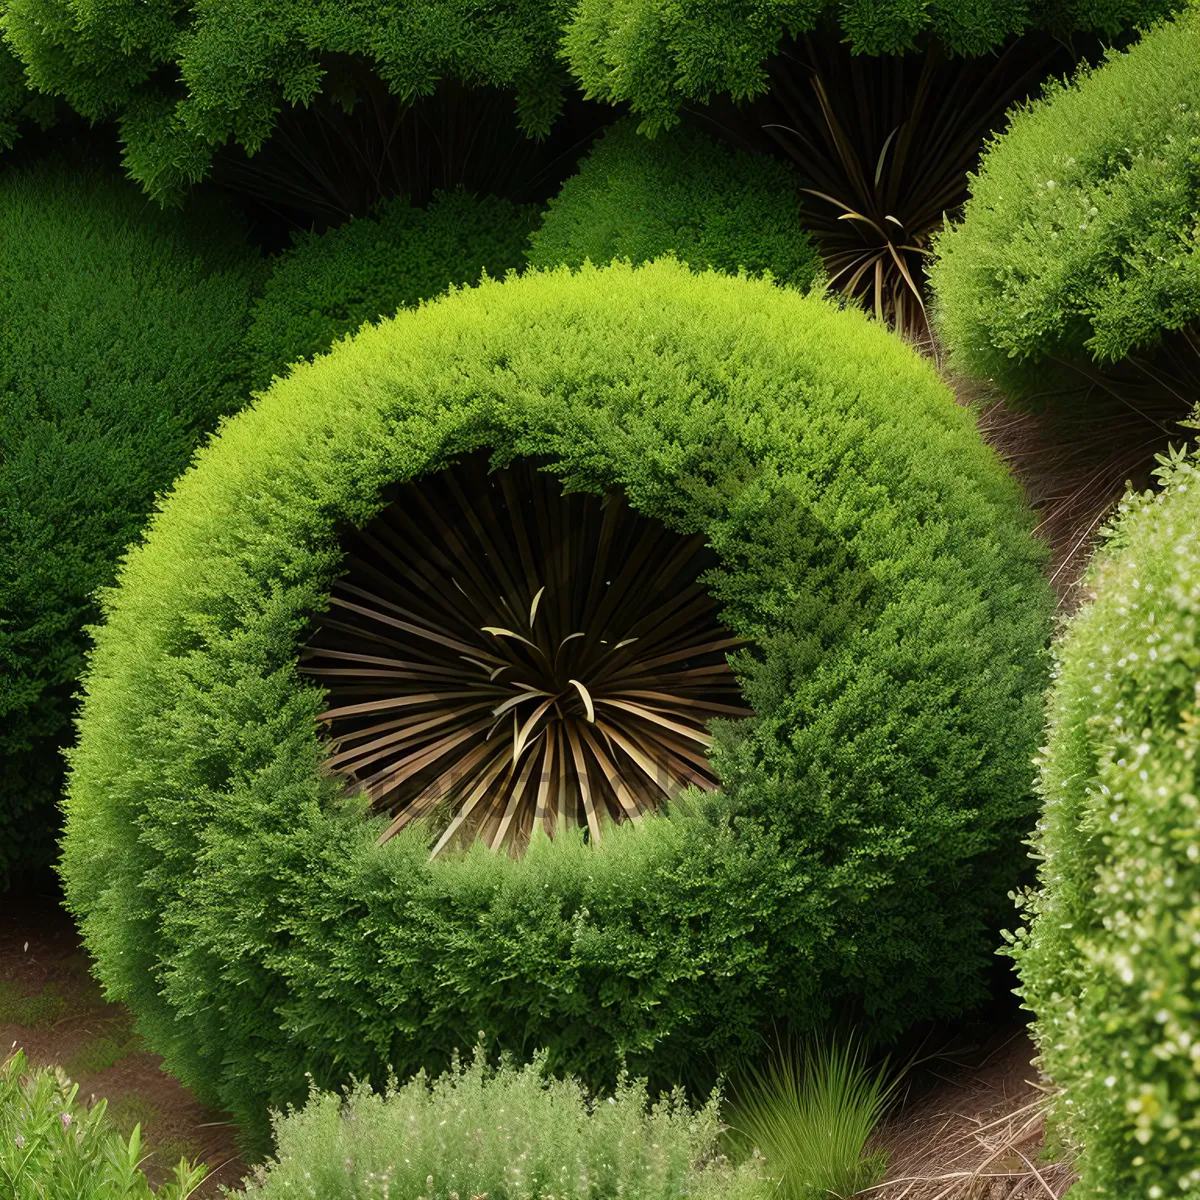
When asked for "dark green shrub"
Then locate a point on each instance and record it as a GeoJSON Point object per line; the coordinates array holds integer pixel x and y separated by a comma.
{"type": "Point", "coordinates": [184, 81]}
{"type": "Point", "coordinates": [655, 55]}
{"type": "Point", "coordinates": [1078, 248]}
{"type": "Point", "coordinates": [871, 548]}
{"type": "Point", "coordinates": [507, 1134]}
{"type": "Point", "coordinates": [1109, 963]}
{"type": "Point", "coordinates": [328, 284]}
{"type": "Point", "coordinates": [51, 1146]}
{"type": "Point", "coordinates": [638, 199]}
{"type": "Point", "coordinates": [120, 333]}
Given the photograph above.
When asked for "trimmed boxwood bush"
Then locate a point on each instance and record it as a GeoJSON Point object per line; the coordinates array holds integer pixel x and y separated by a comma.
{"type": "Point", "coordinates": [328, 284]}
{"type": "Point", "coordinates": [872, 549]}
{"type": "Point", "coordinates": [1079, 245]}
{"type": "Point", "coordinates": [638, 198]}
{"type": "Point", "coordinates": [1109, 963]}
{"type": "Point", "coordinates": [120, 346]}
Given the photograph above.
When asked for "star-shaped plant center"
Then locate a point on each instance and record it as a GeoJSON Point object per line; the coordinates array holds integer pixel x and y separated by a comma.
{"type": "Point", "coordinates": [500, 656]}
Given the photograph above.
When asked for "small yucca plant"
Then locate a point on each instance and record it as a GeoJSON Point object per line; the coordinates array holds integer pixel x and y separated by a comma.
{"type": "Point", "coordinates": [812, 1114]}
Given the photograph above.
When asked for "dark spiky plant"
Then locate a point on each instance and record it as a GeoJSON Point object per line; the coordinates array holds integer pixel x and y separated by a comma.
{"type": "Point", "coordinates": [357, 142]}
{"type": "Point", "coordinates": [885, 144]}
{"type": "Point", "coordinates": [501, 656]}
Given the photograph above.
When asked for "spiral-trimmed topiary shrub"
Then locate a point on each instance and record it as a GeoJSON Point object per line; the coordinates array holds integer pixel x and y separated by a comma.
{"type": "Point", "coordinates": [1073, 280]}
{"type": "Point", "coordinates": [681, 193]}
{"type": "Point", "coordinates": [120, 346]}
{"type": "Point", "coordinates": [328, 284]}
{"type": "Point", "coordinates": [1109, 962]}
{"type": "Point", "coordinates": [251, 893]}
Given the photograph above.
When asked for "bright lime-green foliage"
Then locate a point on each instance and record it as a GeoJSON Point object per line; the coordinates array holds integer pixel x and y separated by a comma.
{"type": "Point", "coordinates": [53, 1148]}
{"type": "Point", "coordinates": [184, 79]}
{"type": "Point", "coordinates": [120, 332]}
{"type": "Point", "coordinates": [1110, 964]}
{"type": "Point", "coordinates": [875, 553]}
{"type": "Point", "coordinates": [509, 1134]}
{"type": "Point", "coordinates": [655, 54]}
{"type": "Point", "coordinates": [328, 284]}
{"type": "Point", "coordinates": [1081, 240]}
{"type": "Point", "coordinates": [812, 1116]}
{"type": "Point", "coordinates": [681, 193]}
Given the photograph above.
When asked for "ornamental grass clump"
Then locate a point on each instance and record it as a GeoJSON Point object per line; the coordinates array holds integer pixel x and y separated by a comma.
{"type": "Point", "coordinates": [326, 285]}
{"type": "Point", "coordinates": [812, 1115]}
{"type": "Point", "coordinates": [120, 347]}
{"type": "Point", "coordinates": [761, 467]}
{"type": "Point", "coordinates": [1073, 280]}
{"type": "Point", "coordinates": [54, 1148]}
{"type": "Point", "coordinates": [508, 1133]}
{"type": "Point", "coordinates": [1108, 963]}
{"type": "Point", "coordinates": [683, 194]}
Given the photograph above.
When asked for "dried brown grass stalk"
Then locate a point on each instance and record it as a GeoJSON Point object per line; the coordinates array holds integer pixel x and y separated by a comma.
{"type": "Point", "coordinates": [885, 144]}
{"type": "Point", "coordinates": [1090, 441]}
{"type": "Point", "coordinates": [977, 1135]}
{"type": "Point", "coordinates": [500, 656]}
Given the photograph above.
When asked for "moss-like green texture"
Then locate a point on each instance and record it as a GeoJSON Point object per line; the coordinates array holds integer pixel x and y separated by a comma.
{"type": "Point", "coordinates": [680, 193]}
{"type": "Point", "coordinates": [328, 284]}
{"type": "Point", "coordinates": [875, 553]}
{"type": "Point", "coordinates": [120, 346]}
{"type": "Point", "coordinates": [1081, 240]}
{"type": "Point", "coordinates": [1109, 964]}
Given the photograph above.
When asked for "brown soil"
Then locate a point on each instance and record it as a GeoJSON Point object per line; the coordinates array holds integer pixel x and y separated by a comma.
{"type": "Point", "coordinates": [972, 1129]}
{"type": "Point", "coordinates": [52, 1009]}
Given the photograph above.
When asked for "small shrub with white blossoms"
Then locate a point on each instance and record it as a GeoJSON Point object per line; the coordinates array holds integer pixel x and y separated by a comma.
{"type": "Point", "coordinates": [1111, 960]}
{"type": "Point", "coordinates": [54, 1148]}
{"type": "Point", "coordinates": [508, 1133]}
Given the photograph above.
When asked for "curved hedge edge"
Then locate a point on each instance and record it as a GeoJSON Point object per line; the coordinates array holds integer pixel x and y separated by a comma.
{"type": "Point", "coordinates": [1107, 955]}
{"type": "Point", "coordinates": [230, 944]}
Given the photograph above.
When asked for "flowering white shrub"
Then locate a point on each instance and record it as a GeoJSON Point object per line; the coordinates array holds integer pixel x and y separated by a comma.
{"type": "Point", "coordinates": [1110, 962]}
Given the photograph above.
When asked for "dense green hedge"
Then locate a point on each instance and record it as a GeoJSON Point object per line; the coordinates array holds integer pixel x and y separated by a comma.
{"type": "Point", "coordinates": [120, 332]}
{"type": "Point", "coordinates": [637, 199]}
{"type": "Point", "coordinates": [328, 284]}
{"type": "Point", "coordinates": [185, 80]}
{"type": "Point", "coordinates": [1079, 242]}
{"type": "Point", "coordinates": [655, 55]}
{"type": "Point", "coordinates": [875, 552]}
{"type": "Point", "coordinates": [1110, 964]}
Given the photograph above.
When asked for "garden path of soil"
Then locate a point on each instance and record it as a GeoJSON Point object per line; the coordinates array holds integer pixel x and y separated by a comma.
{"type": "Point", "coordinates": [965, 1121]}
{"type": "Point", "coordinates": [52, 1009]}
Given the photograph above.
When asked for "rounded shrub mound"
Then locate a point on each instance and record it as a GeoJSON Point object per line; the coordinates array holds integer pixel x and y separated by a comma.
{"type": "Point", "coordinates": [680, 193]}
{"type": "Point", "coordinates": [250, 898]}
{"type": "Point", "coordinates": [328, 284]}
{"type": "Point", "coordinates": [1109, 962]}
{"type": "Point", "coordinates": [1078, 248]}
{"type": "Point", "coordinates": [120, 346]}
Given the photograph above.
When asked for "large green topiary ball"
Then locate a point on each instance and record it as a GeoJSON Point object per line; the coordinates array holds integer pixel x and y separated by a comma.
{"type": "Point", "coordinates": [680, 193]}
{"type": "Point", "coordinates": [1109, 963]}
{"type": "Point", "coordinates": [326, 285]}
{"type": "Point", "coordinates": [339, 544]}
{"type": "Point", "coordinates": [120, 346]}
{"type": "Point", "coordinates": [1078, 249]}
